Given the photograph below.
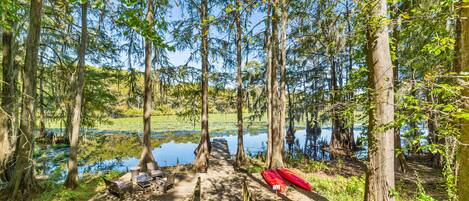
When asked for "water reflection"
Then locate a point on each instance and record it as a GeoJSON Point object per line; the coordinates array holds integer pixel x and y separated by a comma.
{"type": "Point", "coordinates": [171, 151]}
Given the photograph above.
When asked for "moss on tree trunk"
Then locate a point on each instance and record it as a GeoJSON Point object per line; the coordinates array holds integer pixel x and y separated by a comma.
{"type": "Point", "coordinates": [463, 57]}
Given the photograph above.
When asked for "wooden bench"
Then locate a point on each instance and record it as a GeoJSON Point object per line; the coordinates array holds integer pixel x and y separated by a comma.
{"type": "Point", "coordinates": [117, 187]}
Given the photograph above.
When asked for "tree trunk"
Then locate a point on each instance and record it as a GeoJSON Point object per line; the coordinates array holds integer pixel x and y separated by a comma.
{"type": "Point", "coordinates": [268, 52]}
{"type": "Point", "coordinates": [290, 136]}
{"type": "Point", "coordinates": [203, 150]}
{"type": "Point", "coordinates": [380, 172]}
{"type": "Point", "coordinates": [72, 177]}
{"type": "Point", "coordinates": [42, 117]}
{"type": "Point", "coordinates": [68, 119]}
{"type": "Point", "coordinates": [399, 164]}
{"type": "Point", "coordinates": [336, 135]}
{"type": "Point", "coordinates": [349, 72]}
{"type": "Point", "coordinates": [276, 159]}
{"type": "Point", "coordinates": [283, 71]}
{"type": "Point", "coordinates": [341, 141]}
{"type": "Point", "coordinates": [463, 58]}
{"type": "Point", "coordinates": [147, 155]}
{"type": "Point", "coordinates": [240, 155]}
{"type": "Point", "coordinates": [67, 86]}
{"type": "Point", "coordinates": [22, 182]}
{"type": "Point", "coordinates": [5, 144]}
{"type": "Point", "coordinates": [249, 76]}
{"type": "Point", "coordinates": [9, 100]}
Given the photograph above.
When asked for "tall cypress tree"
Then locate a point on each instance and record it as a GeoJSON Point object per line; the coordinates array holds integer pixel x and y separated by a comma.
{"type": "Point", "coordinates": [380, 173]}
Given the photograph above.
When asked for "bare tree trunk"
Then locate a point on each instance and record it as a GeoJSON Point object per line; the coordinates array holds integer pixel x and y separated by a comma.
{"type": "Point", "coordinates": [276, 159]}
{"type": "Point", "coordinates": [22, 182]}
{"type": "Point", "coordinates": [283, 71]}
{"type": "Point", "coordinates": [130, 93]}
{"type": "Point", "coordinates": [341, 140]}
{"type": "Point", "coordinates": [247, 91]}
{"type": "Point", "coordinates": [42, 117]}
{"type": "Point", "coordinates": [67, 87]}
{"type": "Point", "coordinates": [5, 144]}
{"type": "Point", "coordinates": [240, 155]}
{"type": "Point", "coordinates": [9, 100]}
{"type": "Point", "coordinates": [399, 164]}
{"type": "Point", "coordinates": [203, 150]}
{"type": "Point", "coordinates": [72, 177]}
{"type": "Point", "coordinates": [68, 119]}
{"type": "Point", "coordinates": [290, 135]}
{"type": "Point", "coordinates": [336, 138]}
{"type": "Point", "coordinates": [349, 71]}
{"type": "Point", "coordinates": [463, 61]}
{"type": "Point", "coordinates": [268, 52]}
{"type": "Point", "coordinates": [147, 155]}
{"type": "Point", "coordinates": [380, 172]}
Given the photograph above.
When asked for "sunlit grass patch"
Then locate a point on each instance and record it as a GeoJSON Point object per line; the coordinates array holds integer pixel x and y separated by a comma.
{"type": "Point", "coordinates": [338, 187]}
{"type": "Point", "coordinates": [163, 123]}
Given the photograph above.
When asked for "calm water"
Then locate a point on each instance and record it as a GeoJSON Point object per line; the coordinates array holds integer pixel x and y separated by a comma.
{"type": "Point", "coordinates": [172, 153]}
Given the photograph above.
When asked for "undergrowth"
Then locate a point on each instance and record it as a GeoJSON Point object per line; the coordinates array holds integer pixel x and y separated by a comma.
{"type": "Point", "coordinates": [88, 187]}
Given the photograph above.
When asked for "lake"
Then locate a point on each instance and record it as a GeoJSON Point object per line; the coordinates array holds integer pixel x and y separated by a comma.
{"type": "Point", "coordinates": [170, 152]}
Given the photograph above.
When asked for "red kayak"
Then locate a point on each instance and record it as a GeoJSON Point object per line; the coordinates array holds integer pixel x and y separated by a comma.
{"type": "Point", "coordinates": [294, 178]}
{"type": "Point", "coordinates": [274, 180]}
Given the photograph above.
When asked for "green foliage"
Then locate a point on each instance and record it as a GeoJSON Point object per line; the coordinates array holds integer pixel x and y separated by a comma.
{"type": "Point", "coordinates": [439, 45]}
{"type": "Point", "coordinates": [9, 14]}
{"type": "Point", "coordinates": [421, 194]}
{"type": "Point", "coordinates": [133, 15]}
{"type": "Point", "coordinates": [132, 112]}
{"type": "Point", "coordinates": [99, 101]}
{"type": "Point", "coordinates": [317, 166]}
{"type": "Point", "coordinates": [255, 169]}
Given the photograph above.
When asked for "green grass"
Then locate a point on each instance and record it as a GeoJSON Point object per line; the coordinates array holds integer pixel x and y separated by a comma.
{"type": "Point", "coordinates": [338, 187]}
{"type": "Point", "coordinates": [352, 188]}
{"type": "Point", "coordinates": [217, 123]}
{"type": "Point", "coordinates": [88, 188]}
{"type": "Point", "coordinates": [57, 192]}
